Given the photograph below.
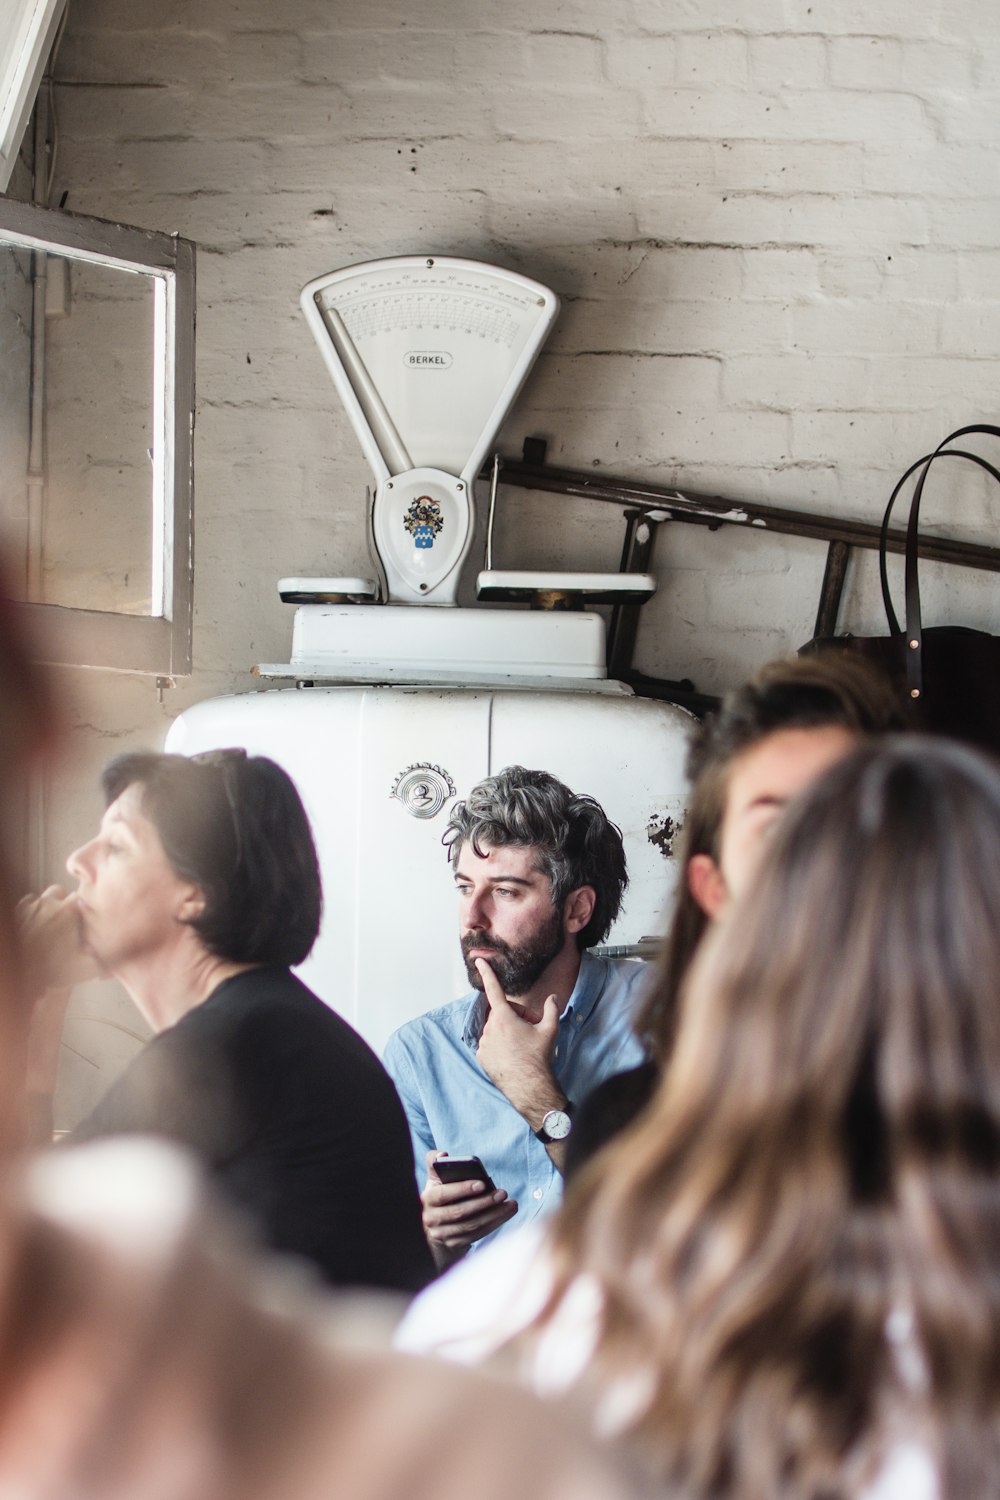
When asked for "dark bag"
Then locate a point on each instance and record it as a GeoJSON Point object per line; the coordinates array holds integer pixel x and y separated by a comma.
{"type": "Point", "coordinates": [947, 676]}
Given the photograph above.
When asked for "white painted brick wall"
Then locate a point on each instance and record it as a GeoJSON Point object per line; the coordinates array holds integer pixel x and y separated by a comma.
{"type": "Point", "coordinates": [774, 226]}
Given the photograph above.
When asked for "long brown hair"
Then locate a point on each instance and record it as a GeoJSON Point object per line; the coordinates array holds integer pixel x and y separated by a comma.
{"type": "Point", "coordinates": [824, 1151]}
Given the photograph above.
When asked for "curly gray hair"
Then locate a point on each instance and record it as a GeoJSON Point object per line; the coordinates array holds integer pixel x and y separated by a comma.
{"type": "Point", "coordinates": [576, 841]}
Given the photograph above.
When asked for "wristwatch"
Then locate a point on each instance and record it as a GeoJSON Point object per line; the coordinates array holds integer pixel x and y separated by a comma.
{"type": "Point", "coordinates": [556, 1125]}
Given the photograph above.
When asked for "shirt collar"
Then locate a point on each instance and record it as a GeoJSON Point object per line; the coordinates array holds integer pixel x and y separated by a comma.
{"type": "Point", "coordinates": [589, 987]}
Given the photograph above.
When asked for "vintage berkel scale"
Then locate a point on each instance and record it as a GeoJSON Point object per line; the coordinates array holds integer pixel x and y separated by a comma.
{"type": "Point", "coordinates": [396, 699]}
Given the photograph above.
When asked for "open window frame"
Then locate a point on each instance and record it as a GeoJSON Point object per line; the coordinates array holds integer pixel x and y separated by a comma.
{"type": "Point", "coordinates": [158, 643]}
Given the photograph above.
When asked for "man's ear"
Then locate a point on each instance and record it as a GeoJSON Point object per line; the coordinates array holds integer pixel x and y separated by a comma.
{"type": "Point", "coordinates": [579, 908]}
{"type": "Point", "coordinates": [706, 884]}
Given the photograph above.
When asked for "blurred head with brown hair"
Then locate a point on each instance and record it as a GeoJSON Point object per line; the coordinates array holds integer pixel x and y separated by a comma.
{"type": "Point", "coordinates": [820, 1170]}
{"type": "Point", "coordinates": [768, 740]}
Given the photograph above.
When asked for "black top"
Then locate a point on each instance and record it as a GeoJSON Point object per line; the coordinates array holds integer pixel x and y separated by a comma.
{"type": "Point", "coordinates": [606, 1111]}
{"type": "Point", "coordinates": [295, 1119]}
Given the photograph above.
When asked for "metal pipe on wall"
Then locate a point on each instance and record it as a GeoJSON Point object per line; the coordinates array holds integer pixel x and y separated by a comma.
{"type": "Point", "coordinates": [37, 809]}
{"type": "Point", "coordinates": [35, 536]}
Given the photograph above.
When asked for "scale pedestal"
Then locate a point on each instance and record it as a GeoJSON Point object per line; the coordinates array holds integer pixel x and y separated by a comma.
{"type": "Point", "coordinates": [397, 643]}
{"type": "Point", "coordinates": [558, 642]}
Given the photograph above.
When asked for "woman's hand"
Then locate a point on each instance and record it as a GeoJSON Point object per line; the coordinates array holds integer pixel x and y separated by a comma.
{"type": "Point", "coordinates": [53, 960]}
{"type": "Point", "coordinates": [51, 937]}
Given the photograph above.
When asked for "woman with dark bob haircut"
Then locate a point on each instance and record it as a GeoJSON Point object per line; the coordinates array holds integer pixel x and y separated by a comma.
{"type": "Point", "coordinates": [236, 827]}
{"type": "Point", "coordinates": [198, 892]}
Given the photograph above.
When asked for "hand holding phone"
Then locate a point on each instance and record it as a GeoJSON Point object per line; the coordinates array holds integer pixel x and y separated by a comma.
{"type": "Point", "coordinates": [461, 1203]}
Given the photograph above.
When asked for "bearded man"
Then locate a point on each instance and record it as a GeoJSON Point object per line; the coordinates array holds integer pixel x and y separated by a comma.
{"type": "Point", "coordinates": [540, 873]}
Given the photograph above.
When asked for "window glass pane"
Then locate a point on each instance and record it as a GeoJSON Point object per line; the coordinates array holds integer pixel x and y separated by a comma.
{"type": "Point", "coordinates": [96, 542]}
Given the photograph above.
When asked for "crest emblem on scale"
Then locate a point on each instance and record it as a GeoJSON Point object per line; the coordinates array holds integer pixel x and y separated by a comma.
{"type": "Point", "coordinates": [423, 520]}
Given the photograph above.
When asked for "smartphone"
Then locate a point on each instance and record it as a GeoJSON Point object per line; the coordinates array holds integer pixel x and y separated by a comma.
{"type": "Point", "coordinates": [463, 1169]}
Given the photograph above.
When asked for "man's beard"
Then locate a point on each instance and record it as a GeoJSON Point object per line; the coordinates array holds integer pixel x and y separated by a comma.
{"type": "Point", "coordinates": [518, 966]}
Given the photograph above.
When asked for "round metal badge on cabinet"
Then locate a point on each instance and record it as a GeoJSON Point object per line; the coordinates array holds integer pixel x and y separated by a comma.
{"type": "Point", "coordinates": [423, 789]}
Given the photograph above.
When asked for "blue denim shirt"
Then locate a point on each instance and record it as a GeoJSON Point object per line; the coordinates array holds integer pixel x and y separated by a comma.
{"type": "Point", "coordinates": [453, 1105]}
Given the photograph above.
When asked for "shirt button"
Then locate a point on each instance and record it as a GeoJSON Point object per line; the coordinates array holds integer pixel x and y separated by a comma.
{"type": "Point", "coordinates": [538, 1193]}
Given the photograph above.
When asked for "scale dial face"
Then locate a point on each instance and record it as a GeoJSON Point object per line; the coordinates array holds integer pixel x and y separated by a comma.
{"type": "Point", "coordinates": [428, 354]}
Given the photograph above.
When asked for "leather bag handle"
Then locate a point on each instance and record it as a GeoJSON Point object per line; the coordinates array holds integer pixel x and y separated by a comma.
{"type": "Point", "coordinates": [914, 624]}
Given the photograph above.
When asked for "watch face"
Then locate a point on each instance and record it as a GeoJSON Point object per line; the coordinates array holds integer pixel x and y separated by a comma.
{"type": "Point", "coordinates": [556, 1124]}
